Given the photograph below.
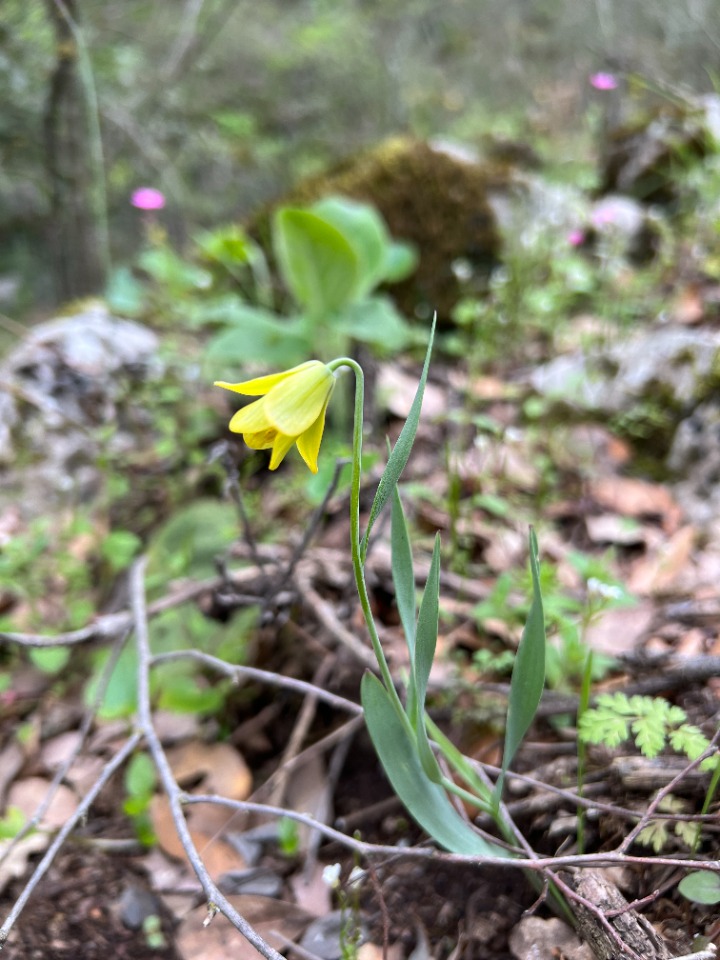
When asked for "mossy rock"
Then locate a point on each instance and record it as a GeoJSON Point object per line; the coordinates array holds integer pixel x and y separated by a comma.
{"type": "Point", "coordinates": [436, 201]}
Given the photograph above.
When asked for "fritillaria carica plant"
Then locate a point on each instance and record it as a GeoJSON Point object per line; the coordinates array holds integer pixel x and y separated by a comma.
{"type": "Point", "coordinates": [290, 411]}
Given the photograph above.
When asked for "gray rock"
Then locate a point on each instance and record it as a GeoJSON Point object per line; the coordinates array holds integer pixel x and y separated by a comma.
{"type": "Point", "coordinates": [695, 458]}
{"type": "Point", "coordinates": [531, 211]}
{"type": "Point", "coordinates": [67, 378]}
{"type": "Point", "coordinates": [674, 366]}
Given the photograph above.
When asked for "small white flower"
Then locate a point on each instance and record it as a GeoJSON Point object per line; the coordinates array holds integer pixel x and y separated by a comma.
{"type": "Point", "coordinates": [331, 876]}
{"type": "Point", "coordinates": [606, 591]}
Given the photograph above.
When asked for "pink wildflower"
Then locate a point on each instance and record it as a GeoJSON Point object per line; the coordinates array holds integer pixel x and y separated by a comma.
{"type": "Point", "coordinates": [147, 198]}
{"type": "Point", "coordinates": [576, 237]}
{"type": "Point", "coordinates": [603, 81]}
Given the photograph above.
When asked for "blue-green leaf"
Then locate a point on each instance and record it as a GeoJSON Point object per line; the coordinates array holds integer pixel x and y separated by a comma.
{"type": "Point", "coordinates": [403, 572]}
{"type": "Point", "coordinates": [528, 676]}
{"type": "Point", "coordinates": [425, 643]}
{"type": "Point", "coordinates": [318, 264]}
{"type": "Point", "coordinates": [401, 451]}
{"type": "Point", "coordinates": [427, 802]}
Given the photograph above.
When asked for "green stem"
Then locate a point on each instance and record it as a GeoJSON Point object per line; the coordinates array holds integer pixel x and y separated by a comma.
{"type": "Point", "coordinates": [355, 539]}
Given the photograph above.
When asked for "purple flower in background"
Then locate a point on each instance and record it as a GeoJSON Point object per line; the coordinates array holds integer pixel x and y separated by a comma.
{"type": "Point", "coordinates": [147, 198]}
{"type": "Point", "coordinates": [576, 237]}
{"type": "Point", "coordinates": [603, 81]}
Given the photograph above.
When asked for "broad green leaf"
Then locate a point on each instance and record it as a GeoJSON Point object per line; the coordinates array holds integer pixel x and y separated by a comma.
{"type": "Point", "coordinates": [50, 660]}
{"type": "Point", "coordinates": [119, 547]}
{"type": "Point", "coordinates": [425, 643]}
{"type": "Point", "coordinates": [183, 694]}
{"type": "Point", "coordinates": [125, 294]}
{"type": "Point", "coordinates": [140, 775]}
{"type": "Point", "coordinates": [403, 572]}
{"type": "Point", "coordinates": [401, 259]}
{"type": "Point", "coordinates": [375, 320]}
{"type": "Point", "coordinates": [189, 541]}
{"type": "Point", "coordinates": [427, 802]}
{"type": "Point", "coordinates": [171, 271]}
{"type": "Point", "coordinates": [120, 699]}
{"type": "Point", "coordinates": [254, 335]}
{"type": "Point", "coordinates": [528, 676]}
{"type": "Point", "coordinates": [365, 231]}
{"type": "Point", "coordinates": [318, 264]}
{"type": "Point", "coordinates": [401, 451]}
{"type": "Point", "coordinates": [701, 886]}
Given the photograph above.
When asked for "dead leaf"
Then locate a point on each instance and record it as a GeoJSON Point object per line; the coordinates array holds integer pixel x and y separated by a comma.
{"type": "Point", "coordinates": [15, 863]}
{"type": "Point", "coordinates": [659, 571]}
{"type": "Point", "coordinates": [374, 951]}
{"type": "Point", "coordinates": [206, 823]}
{"type": "Point", "coordinates": [308, 792]}
{"type": "Point", "coordinates": [619, 631]}
{"type": "Point", "coordinates": [12, 759]}
{"type": "Point", "coordinates": [611, 528]}
{"type": "Point", "coordinates": [218, 766]}
{"type": "Point", "coordinates": [28, 794]}
{"type": "Point", "coordinates": [312, 893]}
{"type": "Point", "coordinates": [276, 921]}
{"type": "Point", "coordinates": [396, 392]}
{"type": "Point", "coordinates": [631, 497]}
{"type": "Point", "coordinates": [689, 306]}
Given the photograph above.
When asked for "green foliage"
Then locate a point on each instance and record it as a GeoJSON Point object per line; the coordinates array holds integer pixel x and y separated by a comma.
{"type": "Point", "coordinates": [656, 833]}
{"type": "Point", "coordinates": [567, 616]}
{"type": "Point", "coordinates": [140, 783]}
{"type": "Point", "coordinates": [400, 734]}
{"type": "Point", "coordinates": [177, 685]}
{"type": "Point", "coordinates": [331, 256]}
{"type": "Point", "coordinates": [701, 886]}
{"type": "Point", "coordinates": [288, 837]}
{"type": "Point", "coordinates": [401, 451]}
{"type": "Point", "coordinates": [11, 823]}
{"type": "Point", "coordinates": [651, 722]}
{"type": "Point", "coordinates": [189, 543]}
{"type": "Point", "coordinates": [426, 801]}
{"type": "Point", "coordinates": [528, 676]}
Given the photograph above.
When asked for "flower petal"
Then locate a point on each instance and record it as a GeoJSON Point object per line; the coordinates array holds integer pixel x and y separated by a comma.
{"type": "Point", "coordinates": [262, 440]}
{"type": "Point", "coordinates": [295, 404]}
{"type": "Point", "coordinates": [251, 419]}
{"type": "Point", "coordinates": [308, 443]}
{"type": "Point", "coordinates": [280, 448]}
{"type": "Point", "coordinates": [261, 385]}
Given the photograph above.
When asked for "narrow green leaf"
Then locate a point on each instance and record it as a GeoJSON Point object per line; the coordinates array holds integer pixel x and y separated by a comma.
{"type": "Point", "coordinates": [401, 451]}
{"type": "Point", "coordinates": [318, 264]}
{"type": "Point", "coordinates": [425, 643]}
{"type": "Point", "coordinates": [403, 571]}
{"type": "Point", "coordinates": [528, 676]}
{"type": "Point", "coordinates": [426, 802]}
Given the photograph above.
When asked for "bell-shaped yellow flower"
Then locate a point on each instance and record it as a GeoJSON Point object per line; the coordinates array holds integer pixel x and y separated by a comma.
{"type": "Point", "coordinates": [291, 410]}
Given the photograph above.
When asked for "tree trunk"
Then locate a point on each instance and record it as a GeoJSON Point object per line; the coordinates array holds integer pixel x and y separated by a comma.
{"type": "Point", "coordinates": [76, 233]}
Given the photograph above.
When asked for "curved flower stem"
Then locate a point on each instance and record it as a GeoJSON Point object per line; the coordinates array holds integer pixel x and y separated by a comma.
{"type": "Point", "coordinates": [355, 539]}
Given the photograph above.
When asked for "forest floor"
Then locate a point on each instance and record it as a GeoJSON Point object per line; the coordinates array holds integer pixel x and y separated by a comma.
{"type": "Point", "coordinates": [275, 742]}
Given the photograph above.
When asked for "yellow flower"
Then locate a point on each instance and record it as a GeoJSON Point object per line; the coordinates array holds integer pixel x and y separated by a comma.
{"type": "Point", "coordinates": [291, 410]}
